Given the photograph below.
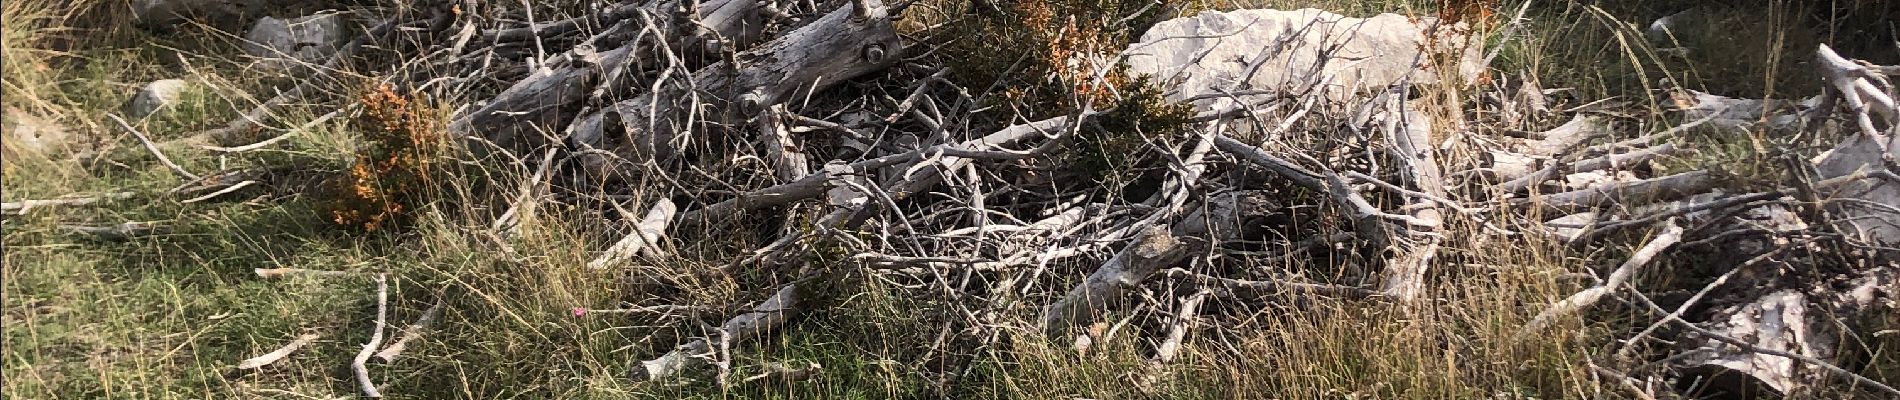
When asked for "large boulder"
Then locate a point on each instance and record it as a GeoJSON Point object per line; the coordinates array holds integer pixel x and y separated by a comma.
{"type": "Point", "coordinates": [281, 44]}
{"type": "Point", "coordinates": [1290, 51]}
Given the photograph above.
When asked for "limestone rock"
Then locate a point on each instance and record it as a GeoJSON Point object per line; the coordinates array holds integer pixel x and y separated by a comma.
{"type": "Point", "coordinates": [28, 133]}
{"type": "Point", "coordinates": [1290, 51]}
{"type": "Point", "coordinates": [156, 96]}
{"type": "Point", "coordinates": [284, 43]}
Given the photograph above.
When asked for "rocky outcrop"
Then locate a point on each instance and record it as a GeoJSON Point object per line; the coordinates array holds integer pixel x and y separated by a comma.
{"type": "Point", "coordinates": [1294, 51]}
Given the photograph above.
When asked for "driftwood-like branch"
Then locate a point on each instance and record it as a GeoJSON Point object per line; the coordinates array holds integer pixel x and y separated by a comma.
{"type": "Point", "coordinates": [1670, 235]}
{"type": "Point", "coordinates": [1861, 88]}
{"type": "Point", "coordinates": [121, 231]}
{"type": "Point", "coordinates": [764, 318]}
{"type": "Point", "coordinates": [1629, 194]}
{"type": "Point", "coordinates": [361, 364]}
{"type": "Point", "coordinates": [414, 331]}
{"type": "Point", "coordinates": [647, 236]}
{"type": "Point", "coordinates": [279, 354]}
{"type": "Point", "coordinates": [1222, 218]}
{"type": "Point", "coordinates": [23, 206]}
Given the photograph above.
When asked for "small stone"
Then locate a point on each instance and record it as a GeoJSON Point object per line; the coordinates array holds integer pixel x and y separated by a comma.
{"type": "Point", "coordinates": [156, 96]}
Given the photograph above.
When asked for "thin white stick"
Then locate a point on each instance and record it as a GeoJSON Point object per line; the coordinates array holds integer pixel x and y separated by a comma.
{"type": "Point", "coordinates": [361, 365]}
{"type": "Point", "coordinates": [279, 354]}
{"type": "Point", "coordinates": [149, 146]}
{"type": "Point", "coordinates": [273, 273]}
{"type": "Point", "coordinates": [233, 188]}
{"type": "Point", "coordinates": [412, 332]}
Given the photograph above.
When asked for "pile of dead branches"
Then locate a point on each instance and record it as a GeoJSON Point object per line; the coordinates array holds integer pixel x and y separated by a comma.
{"type": "Point", "coordinates": [822, 126]}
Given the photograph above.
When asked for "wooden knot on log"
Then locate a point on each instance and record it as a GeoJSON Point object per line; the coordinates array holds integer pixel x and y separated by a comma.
{"type": "Point", "coordinates": [585, 56]}
{"type": "Point", "coordinates": [874, 53]}
{"type": "Point", "coordinates": [752, 102]}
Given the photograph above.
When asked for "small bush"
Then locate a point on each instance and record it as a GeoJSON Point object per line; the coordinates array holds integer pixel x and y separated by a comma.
{"type": "Point", "coordinates": [395, 161]}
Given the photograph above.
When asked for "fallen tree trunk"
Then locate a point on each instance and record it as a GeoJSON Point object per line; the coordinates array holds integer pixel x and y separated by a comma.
{"type": "Point", "coordinates": [1628, 194]}
{"type": "Point", "coordinates": [815, 184]}
{"type": "Point", "coordinates": [1416, 244]}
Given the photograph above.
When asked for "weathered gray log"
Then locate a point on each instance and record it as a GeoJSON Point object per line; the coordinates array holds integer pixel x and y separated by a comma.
{"type": "Point", "coordinates": [817, 183]}
{"type": "Point", "coordinates": [1222, 218]}
{"type": "Point", "coordinates": [536, 108]}
{"type": "Point", "coordinates": [1416, 245]}
{"type": "Point", "coordinates": [647, 234]}
{"type": "Point", "coordinates": [812, 58]}
{"type": "Point", "coordinates": [1633, 193]}
{"type": "Point", "coordinates": [1553, 170]}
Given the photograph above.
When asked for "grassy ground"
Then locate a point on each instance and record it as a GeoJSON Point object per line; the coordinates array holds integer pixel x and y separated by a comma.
{"type": "Point", "coordinates": [168, 315]}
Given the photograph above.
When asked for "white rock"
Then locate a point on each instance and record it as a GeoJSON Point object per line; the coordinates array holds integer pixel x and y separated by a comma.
{"type": "Point", "coordinates": [1282, 50]}
{"type": "Point", "coordinates": [283, 43]}
{"type": "Point", "coordinates": [28, 133]}
{"type": "Point", "coordinates": [156, 96]}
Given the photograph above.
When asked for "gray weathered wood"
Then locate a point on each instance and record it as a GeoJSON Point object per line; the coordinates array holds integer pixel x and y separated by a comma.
{"type": "Point", "coordinates": [811, 58]}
